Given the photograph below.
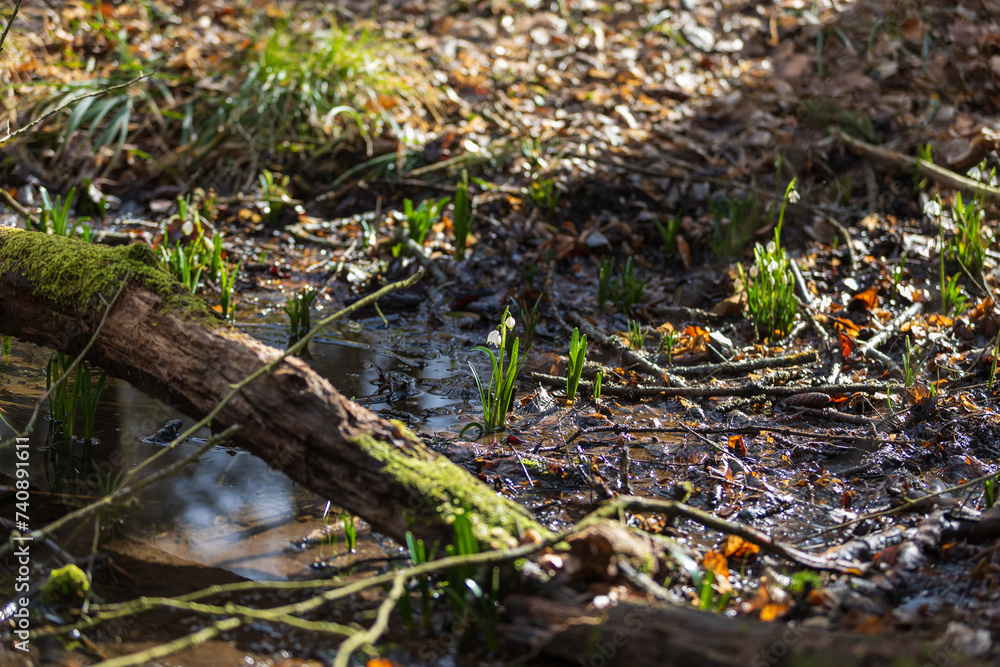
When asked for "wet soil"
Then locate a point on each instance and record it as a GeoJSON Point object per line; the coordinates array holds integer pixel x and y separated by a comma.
{"type": "Point", "coordinates": [645, 125]}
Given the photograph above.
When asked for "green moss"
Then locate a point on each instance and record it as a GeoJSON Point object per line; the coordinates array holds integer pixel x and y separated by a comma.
{"type": "Point", "coordinates": [446, 489]}
{"type": "Point", "coordinates": [648, 565]}
{"type": "Point", "coordinates": [65, 584]}
{"type": "Point", "coordinates": [73, 274]}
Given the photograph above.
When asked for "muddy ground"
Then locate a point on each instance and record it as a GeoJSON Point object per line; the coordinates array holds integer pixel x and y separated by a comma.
{"type": "Point", "coordinates": [587, 129]}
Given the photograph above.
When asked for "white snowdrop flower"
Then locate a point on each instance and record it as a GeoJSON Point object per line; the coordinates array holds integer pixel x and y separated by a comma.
{"type": "Point", "coordinates": [932, 208]}
{"type": "Point", "coordinates": [753, 271]}
{"type": "Point", "coordinates": [188, 227]}
{"type": "Point", "coordinates": [509, 322]}
{"type": "Point", "coordinates": [772, 267]}
{"type": "Point", "coordinates": [793, 196]}
{"type": "Point", "coordinates": [493, 338]}
{"type": "Point", "coordinates": [771, 246]}
{"type": "Point", "coordinates": [975, 174]}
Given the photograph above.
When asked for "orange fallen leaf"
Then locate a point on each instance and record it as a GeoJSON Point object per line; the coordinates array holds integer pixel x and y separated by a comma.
{"type": "Point", "coordinates": [847, 344]}
{"type": "Point", "coordinates": [772, 611]}
{"type": "Point", "coordinates": [736, 546]}
{"type": "Point", "coordinates": [867, 299]}
{"type": "Point", "coordinates": [717, 563]}
{"type": "Point", "coordinates": [737, 445]}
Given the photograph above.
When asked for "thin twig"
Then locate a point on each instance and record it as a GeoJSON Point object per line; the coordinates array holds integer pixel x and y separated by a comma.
{"type": "Point", "coordinates": [913, 504]}
{"type": "Point", "coordinates": [869, 348]}
{"type": "Point", "coordinates": [746, 389]}
{"type": "Point", "coordinates": [20, 210]}
{"type": "Point", "coordinates": [96, 93]}
{"type": "Point", "coordinates": [3, 37]}
{"type": "Point", "coordinates": [939, 174]}
{"type": "Point", "coordinates": [730, 430]}
{"type": "Point", "coordinates": [371, 635]}
{"type": "Point", "coordinates": [737, 367]}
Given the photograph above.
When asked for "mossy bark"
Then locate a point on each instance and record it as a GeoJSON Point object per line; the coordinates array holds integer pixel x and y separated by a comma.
{"type": "Point", "coordinates": [169, 344]}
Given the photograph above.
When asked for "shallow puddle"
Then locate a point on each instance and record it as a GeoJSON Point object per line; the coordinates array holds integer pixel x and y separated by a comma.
{"type": "Point", "coordinates": [231, 511]}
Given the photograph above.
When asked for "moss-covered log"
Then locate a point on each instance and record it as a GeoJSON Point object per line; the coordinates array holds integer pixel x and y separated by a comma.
{"type": "Point", "coordinates": [169, 344]}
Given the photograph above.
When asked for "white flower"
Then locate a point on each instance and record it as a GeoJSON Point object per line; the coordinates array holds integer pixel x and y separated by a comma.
{"type": "Point", "coordinates": [188, 228]}
{"type": "Point", "coordinates": [975, 174]}
{"type": "Point", "coordinates": [932, 208]}
{"type": "Point", "coordinates": [493, 338]}
{"type": "Point", "coordinates": [793, 196]}
{"type": "Point", "coordinates": [771, 247]}
{"type": "Point", "coordinates": [509, 323]}
{"type": "Point", "coordinates": [753, 271]}
{"type": "Point", "coordinates": [772, 267]}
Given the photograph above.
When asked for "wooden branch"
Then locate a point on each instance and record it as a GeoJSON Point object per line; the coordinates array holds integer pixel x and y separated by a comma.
{"type": "Point", "coordinates": [747, 365]}
{"type": "Point", "coordinates": [630, 355]}
{"type": "Point", "coordinates": [939, 175]}
{"type": "Point", "coordinates": [745, 389]}
{"type": "Point", "coordinates": [171, 346]}
{"type": "Point", "coordinates": [642, 635]}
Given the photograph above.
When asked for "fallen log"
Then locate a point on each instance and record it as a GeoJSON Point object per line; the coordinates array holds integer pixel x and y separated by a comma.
{"type": "Point", "coordinates": [643, 635]}
{"type": "Point", "coordinates": [171, 345]}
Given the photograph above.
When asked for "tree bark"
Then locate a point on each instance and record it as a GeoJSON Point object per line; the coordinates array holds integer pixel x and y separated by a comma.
{"type": "Point", "coordinates": [642, 635]}
{"type": "Point", "coordinates": [169, 346]}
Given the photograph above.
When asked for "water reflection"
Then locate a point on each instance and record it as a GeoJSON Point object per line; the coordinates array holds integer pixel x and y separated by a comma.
{"type": "Point", "coordinates": [230, 510]}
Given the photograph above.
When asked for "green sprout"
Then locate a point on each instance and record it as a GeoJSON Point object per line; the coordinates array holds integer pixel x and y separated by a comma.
{"type": "Point", "coordinates": [668, 232]}
{"type": "Point", "coordinates": [734, 221]}
{"type": "Point", "coordinates": [627, 290]}
{"type": "Point", "coordinates": [668, 341]}
{"type": "Point", "coordinates": [545, 195]}
{"type": "Point", "coordinates": [530, 318]}
{"type": "Point", "coordinates": [181, 260]}
{"type": "Point", "coordinates": [470, 600]}
{"type": "Point", "coordinates": [969, 244]}
{"type": "Point", "coordinates": [55, 217]}
{"type": "Point", "coordinates": [953, 298]}
{"type": "Point", "coordinates": [604, 280]}
{"type": "Point", "coordinates": [577, 357]}
{"type": "Point", "coordinates": [90, 396]}
{"type": "Point", "coordinates": [897, 273]}
{"type": "Point", "coordinates": [297, 309]}
{"type": "Point", "coordinates": [419, 220]}
{"type": "Point", "coordinates": [770, 287]}
{"type": "Point", "coordinates": [227, 278]}
{"type": "Point", "coordinates": [993, 365]}
{"type": "Point", "coordinates": [274, 195]}
{"type": "Point", "coordinates": [462, 221]}
{"type": "Point", "coordinates": [636, 336]}
{"type": "Point", "coordinates": [419, 556]}
{"type": "Point", "coordinates": [909, 368]}
{"type": "Point", "coordinates": [350, 531]}
{"type": "Point", "coordinates": [496, 397]}
{"type": "Point", "coordinates": [82, 395]}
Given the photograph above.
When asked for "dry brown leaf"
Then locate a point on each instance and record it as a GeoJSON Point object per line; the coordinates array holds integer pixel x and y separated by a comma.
{"type": "Point", "coordinates": [913, 29]}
